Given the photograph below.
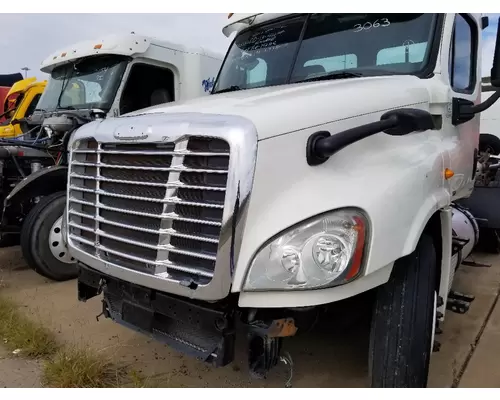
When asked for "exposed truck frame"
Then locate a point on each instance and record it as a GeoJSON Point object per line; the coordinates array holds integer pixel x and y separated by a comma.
{"type": "Point", "coordinates": [90, 80]}
{"type": "Point", "coordinates": [326, 164]}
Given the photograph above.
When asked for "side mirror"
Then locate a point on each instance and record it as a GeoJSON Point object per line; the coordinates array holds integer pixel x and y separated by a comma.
{"type": "Point", "coordinates": [495, 69]}
{"type": "Point", "coordinates": [465, 110]}
{"type": "Point", "coordinates": [485, 22]}
{"type": "Point", "coordinates": [322, 145]}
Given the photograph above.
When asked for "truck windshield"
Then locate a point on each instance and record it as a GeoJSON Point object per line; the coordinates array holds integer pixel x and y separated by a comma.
{"type": "Point", "coordinates": [84, 84]}
{"type": "Point", "coordinates": [324, 46]}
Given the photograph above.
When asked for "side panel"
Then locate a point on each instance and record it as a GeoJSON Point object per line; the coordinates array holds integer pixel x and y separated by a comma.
{"type": "Point", "coordinates": [200, 75]}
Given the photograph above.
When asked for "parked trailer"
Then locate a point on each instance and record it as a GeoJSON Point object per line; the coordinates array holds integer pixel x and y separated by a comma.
{"type": "Point", "coordinates": [326, 164]}
{"type": "Point", "coordinates": [89, 81]}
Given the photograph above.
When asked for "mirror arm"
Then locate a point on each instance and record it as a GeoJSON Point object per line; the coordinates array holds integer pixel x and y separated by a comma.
{"type": "Point", "coordinates": [322, 145]}
{"type": "Point", "coordinates": [482, 106]}
{"type": "Point", "coordinates": [327, 146]}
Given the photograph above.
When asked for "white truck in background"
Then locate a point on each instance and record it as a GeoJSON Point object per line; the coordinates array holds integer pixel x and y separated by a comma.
{"type": "Point", "coordinates": [90, 80]}
{"type": "Point", "coordinates": [490, 122]}
{"type": "Point", "coordinates": [324, 165]}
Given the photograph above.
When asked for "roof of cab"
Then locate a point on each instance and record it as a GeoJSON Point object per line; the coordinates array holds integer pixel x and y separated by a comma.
{"type": "Point", "coordinates": [126, 44]}
{"type": "Point", "coordinates": [239, 21]}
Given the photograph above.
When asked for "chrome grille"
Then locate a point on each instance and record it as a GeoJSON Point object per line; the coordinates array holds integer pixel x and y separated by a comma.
{"type": "Point", "coordinates": [154, 208]}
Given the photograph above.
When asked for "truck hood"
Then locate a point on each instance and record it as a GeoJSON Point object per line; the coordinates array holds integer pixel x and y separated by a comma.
{"type": "Point", "coordinates": [277, 110]}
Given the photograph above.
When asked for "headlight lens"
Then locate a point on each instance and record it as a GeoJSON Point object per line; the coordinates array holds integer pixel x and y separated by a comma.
{"type": "Point", "coordinates": [324, 251]}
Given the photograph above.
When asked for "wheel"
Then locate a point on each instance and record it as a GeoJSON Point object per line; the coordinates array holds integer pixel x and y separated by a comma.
{"type": "Point", "coordinates": [403, 321]}
{"type": "Point", "coordinates": [490, 144]}
{"type": "Point", "coordinates": [41, 240]}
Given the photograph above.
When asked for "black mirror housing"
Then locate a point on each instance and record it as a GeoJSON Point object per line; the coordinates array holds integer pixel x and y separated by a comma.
{"type": "Point", "coordinates": [485, 22]}
{"type": "Point", "coordinates": [409, 120]}
{"type": "Point", "coordinates": [495, 69]}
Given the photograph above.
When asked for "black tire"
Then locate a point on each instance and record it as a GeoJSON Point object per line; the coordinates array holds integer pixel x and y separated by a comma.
{"type": "Point", "coordinates": [35, 243]}
{"type": "Point", "coordinates": [489, 143]}
{"type": "Point", "coordinates": [402, 322]}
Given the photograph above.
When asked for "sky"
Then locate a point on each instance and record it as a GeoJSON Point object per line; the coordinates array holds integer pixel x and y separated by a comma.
{"type": "Point", "coordinates": [27, 39]}
{"type": "Point", "coordinates": [42, 34]}
{"type": "Point", "coordinates": [489, 37]}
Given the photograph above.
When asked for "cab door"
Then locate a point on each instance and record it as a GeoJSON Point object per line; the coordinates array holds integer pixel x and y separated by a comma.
{"type": "Point", "coordinates": [464, 73]}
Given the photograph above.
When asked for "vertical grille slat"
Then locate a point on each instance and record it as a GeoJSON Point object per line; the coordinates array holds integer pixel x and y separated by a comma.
{"type": "Point", "coordinates": [155, 208]}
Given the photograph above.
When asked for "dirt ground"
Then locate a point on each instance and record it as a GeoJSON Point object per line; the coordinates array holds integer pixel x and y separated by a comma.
{"type": "Point", "coordinates": [468, 356]}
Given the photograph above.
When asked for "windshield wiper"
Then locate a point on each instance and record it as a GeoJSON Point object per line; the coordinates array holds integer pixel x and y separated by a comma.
{"type": "Point", "coordinates": [232, 88]}
{"type": "Point", "coordinates": [332, 76]}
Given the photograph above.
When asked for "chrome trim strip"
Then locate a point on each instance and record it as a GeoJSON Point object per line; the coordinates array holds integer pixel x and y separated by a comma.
{"type": "Point", "coordinates": [169, 247]}
{"type": "Point", "coordinates": [171, 232]}
{"type": "Point", "coordinates": [143, 260]}
{"type": "Point", "coordinates": [172, 200]}
{"type": "Point", "coordinates": [180, 168]}
{"type": "Point", "coordinates": [145, 183]}
{"type": "Point", "coordinates": [180, 153]}
{"type": "Point", "coordinates": [171, 216]}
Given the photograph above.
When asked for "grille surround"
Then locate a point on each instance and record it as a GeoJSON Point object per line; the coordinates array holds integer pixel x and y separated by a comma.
{"type": "Point", "coordinates": [241, 138]}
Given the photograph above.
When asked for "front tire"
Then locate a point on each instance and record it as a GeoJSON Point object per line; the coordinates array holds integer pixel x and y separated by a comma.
{"type": "Point", "coordinates": [41, 240]}
{"type": "Point", "coordinates": [403, 320]}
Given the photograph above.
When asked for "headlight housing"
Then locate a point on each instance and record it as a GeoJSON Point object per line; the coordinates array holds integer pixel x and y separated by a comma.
{"type": "Point", "coordinates": [324, 251]}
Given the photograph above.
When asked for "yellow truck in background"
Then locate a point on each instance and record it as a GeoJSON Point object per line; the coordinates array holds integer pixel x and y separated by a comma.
{"type": "Point", "coordinates": [19, 104]}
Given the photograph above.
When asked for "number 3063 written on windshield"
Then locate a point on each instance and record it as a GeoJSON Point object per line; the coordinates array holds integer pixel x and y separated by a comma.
{"type": "Point", "coordinates": [378, 23]}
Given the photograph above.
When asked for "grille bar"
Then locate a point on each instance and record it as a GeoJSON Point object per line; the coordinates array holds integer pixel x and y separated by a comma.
{"type": "Point", "coordinates": [144, 260]}
{"type": "Point", "coordinates": [181, 153]}
{"type": "Point", "coordinates": [156, 208]}
{"type": "Point", "coordinates": [168, 247]}
{"type": "Point", "coordinates": [172, 216]}
{"type": "Point", "coordinates": [155, 184]}
{"type": "Point", "coordinates": [174, 200]}
{"type": "Point", "coordinates": [171, 232]}
{"type": "Point", "coordinates": [180, 168]}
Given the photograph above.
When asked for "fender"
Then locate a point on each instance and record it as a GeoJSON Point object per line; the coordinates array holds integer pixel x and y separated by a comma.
{"type": "Point", "coordinates": [439, 201]}
{"type": "Point", "coordinates": [44, 181]}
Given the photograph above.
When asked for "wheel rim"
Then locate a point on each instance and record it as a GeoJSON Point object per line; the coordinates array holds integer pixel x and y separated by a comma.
{"type": "Point", "coordinates": [57, 245]}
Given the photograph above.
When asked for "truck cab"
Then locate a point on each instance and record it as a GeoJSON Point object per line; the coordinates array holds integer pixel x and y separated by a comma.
{"type": "Point", "coordinates": [19, 105]}
{"type": "Point", "coordinates": [6, 82]}
{"type": "Point", "coordinates": [89, 81]}
{"type": "Point", "coordinates": [124, 73]}
{"type": "Point", "coordinates": [324, 165]}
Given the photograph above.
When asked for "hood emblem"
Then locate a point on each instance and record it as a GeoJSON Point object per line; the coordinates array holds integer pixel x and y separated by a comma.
{"type": "Point", "coordinates": [130, 133]}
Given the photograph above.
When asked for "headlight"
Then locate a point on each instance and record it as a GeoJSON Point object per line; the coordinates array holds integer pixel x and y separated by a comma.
{"type": "Point", "coordinates": [326, 250]}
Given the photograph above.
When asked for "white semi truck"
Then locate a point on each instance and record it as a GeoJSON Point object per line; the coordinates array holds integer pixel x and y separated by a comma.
{"type": "Point", "coordinates": [90, 80]}
{"type": "Point", "coordinates": [325, 165]}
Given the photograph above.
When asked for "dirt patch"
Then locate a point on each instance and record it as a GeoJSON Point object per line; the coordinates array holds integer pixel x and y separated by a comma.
{"type": "Point", "coordinates": [18, 372]}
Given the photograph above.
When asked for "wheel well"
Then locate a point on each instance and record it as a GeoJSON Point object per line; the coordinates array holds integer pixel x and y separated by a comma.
{"type": "Point", "coordinates": [487, 139]}
{"type": "Point", "coordinates": [433, 229]}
